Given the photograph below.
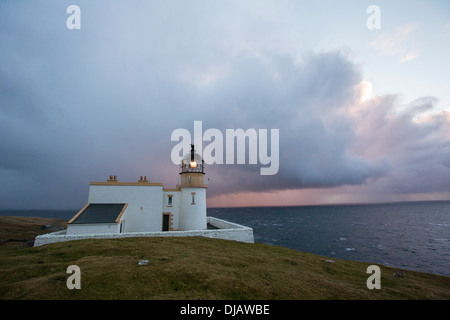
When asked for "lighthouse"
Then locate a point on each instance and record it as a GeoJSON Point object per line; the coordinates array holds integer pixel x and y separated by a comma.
{"type": "Point", "coordinates": [117, 209]}
{"type": "Point", "coordinates": [144, 206]}
{"type": "Point", "coordinates": [192, 214]}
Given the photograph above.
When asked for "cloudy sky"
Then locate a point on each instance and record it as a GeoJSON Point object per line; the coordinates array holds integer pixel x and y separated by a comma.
{"type": "Point", "coordinates": [363, 114]}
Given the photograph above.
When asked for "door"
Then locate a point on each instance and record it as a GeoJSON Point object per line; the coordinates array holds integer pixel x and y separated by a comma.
{"type": "Point", "coordinates": [166, 219]}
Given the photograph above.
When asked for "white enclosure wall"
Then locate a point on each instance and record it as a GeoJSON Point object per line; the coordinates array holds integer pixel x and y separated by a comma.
{"type": "Point", "coordinates": [145, 204]}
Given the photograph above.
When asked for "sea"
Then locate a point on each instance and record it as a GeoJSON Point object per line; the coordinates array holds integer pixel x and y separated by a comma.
{"type": "Point", "coordinates": [406, 236]}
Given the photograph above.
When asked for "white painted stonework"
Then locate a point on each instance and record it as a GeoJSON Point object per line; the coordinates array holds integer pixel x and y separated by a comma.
{"type": "Point", "coordinates": [145, 203]}
{"type": "Point", "coordinates": [193, 215]}
{"type": "Point", "coordinates": [94, 228]}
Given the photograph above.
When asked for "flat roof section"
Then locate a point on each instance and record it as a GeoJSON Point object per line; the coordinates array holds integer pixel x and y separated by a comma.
{"type": "Point", "coordinates": [99, 213]}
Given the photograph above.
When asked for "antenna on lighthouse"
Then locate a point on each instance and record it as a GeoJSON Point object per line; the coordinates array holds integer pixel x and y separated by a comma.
{"type": "Point", "coordinates": [193, 164]}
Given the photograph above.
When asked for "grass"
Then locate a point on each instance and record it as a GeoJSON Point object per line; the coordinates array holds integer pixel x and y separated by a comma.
{"type": "Point", "coordinates": [198, 268]}
{"type": "Point", "coordinates": [24, 228]}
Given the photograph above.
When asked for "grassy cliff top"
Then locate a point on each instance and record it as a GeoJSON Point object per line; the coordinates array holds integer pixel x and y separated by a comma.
{"type": "Point", "coordinates": [197, 268]}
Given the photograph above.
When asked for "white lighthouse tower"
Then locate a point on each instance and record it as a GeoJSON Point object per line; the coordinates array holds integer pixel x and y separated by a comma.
{"type": "Point", "coordinates": [192, 214]}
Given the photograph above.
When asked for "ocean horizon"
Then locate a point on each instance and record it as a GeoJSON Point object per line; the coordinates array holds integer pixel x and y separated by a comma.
{"type": "Point", "coordinates": [403, 235]}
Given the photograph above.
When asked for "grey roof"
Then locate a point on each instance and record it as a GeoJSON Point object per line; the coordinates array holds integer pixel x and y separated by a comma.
{"type": "Point", "coordinates": [100, 213]}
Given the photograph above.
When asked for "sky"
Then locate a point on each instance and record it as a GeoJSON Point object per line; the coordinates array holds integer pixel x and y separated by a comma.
{"type": "Point", "coordinates": [363, 113]}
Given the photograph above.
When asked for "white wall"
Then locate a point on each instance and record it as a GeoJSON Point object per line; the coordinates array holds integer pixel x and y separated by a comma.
{"type": "Point", "coordinates": [175, 208]}
{"type": "Point", "coordinates": [145, 204]}
{"type": "Point", "coordinates": [192, 216]}
{"type": "Point", "coordinates": [228, 231]}
{"type": "Point", "coordinates": [93, 228]}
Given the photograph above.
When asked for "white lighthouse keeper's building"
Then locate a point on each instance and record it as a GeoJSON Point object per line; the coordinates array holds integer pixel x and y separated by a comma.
{"type": "Point", "coordinates": [143, 206]}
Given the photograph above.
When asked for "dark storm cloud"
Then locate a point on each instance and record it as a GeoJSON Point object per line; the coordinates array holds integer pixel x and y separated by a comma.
{"type": "Point", "coordinates": [77, 106]}
{"type": "Point", "coordinates": [306, 102]}
{"type": "Point", "coordinates": [416, 143]}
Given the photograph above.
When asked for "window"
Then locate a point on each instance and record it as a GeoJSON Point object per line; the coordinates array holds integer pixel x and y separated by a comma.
{"type": "Point", "coordinates": [169, 202]}
{"type": "Point", "coordinates": [193, 197]}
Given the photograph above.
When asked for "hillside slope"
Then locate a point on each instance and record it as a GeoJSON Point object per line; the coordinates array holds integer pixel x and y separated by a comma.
{"type": "Point", "coordinates": [198, 268]}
